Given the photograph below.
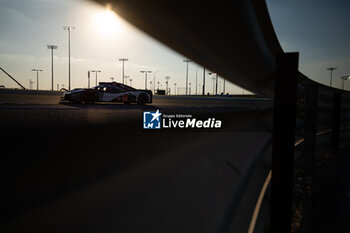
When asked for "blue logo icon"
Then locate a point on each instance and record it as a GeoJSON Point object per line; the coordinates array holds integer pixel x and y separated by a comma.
{"type": "Point", "coordinates": [151, 120]}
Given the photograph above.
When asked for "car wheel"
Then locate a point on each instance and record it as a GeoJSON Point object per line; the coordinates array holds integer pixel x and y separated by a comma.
{"type": "Point", "coordinates": [142, 99]}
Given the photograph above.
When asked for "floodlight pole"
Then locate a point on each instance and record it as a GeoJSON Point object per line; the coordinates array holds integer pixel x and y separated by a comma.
{"type": "Point", "coordinates": [123, 60]}
{"type": "Point", "coordinates": [30, 84]}
{"type": "Point", "coordinates": [126, 79]}
{"type": "Point", "coordinates": [68, 28]}
{"type": "Point", "coordinates": [216, 87]}
{"type": "Point", "coordinates": [52, 47]}
{"type": "Point", "coordinates": [187, 61]}
{"type": "Point", "coordinates": [146, 71]}
{"type": "Point", "coordinates": [331, 70]}
{"type": "Point", "coordinates": [343, 80]}
{"type": "Point", "coordinates": [197, 79]}
{"type": "Point", "coordinates": [224, 87]}
{"type": "Point", "coordinates": [96, 71]}
{"type": "Point", "coordinates": [89, 79]}
{"type": "Point", "coordinates": [213, 78]}
{"type": "Point", "coordinates": [37, 77]}
{"type": "Point", "coordinates": [216, 82]}
{"type": "Point", "coordinates": [167, 80]}
{"type": "Point", "coordinates": [154, 81]}
{"type": "Point", "coordinates": [203, 81]}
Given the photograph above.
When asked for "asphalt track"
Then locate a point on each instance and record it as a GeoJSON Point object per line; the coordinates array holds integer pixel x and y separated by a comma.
{"type": "Point", "coordinates": [30, 108]}
{"type": "Point", "coordinates": [92, 168]}
{"type": "Point", "coordinates": [9, 96]}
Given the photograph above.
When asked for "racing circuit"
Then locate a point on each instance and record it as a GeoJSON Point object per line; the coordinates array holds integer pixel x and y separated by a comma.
{"type": "Point", "coordinates": [85, 152]}
{"type": "Point", "coordinates": [19, 106]}
{"type": "Point", "coordinates": [93, 168]}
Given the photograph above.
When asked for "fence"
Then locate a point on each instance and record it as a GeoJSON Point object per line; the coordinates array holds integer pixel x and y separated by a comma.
{"type": "Point", "coordinates": [310, 123]}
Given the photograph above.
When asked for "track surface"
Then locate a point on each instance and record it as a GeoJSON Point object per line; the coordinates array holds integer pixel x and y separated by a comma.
{"type": "Point", "coordinates": [91, 168]}
{"type": "Point", "coordinates": [43, 107]}
{"type": "Point", "coordinates": [8, 96]}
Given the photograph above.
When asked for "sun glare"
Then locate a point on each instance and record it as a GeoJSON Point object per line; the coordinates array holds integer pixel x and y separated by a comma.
{"type": "Point", "coordinates": [107, 23]}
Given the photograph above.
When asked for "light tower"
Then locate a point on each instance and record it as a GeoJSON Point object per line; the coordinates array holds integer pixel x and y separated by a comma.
{"type": "Point", "coordinates": [216, 85]}
{"type": "Point", "coordinates": [68, 28]}
{"type": "Point", "coordinates": [123, 60]}
{"type": "Point", "coordinates": [346, 77]}
{"type": "Point", "coordinates": [213, 78]}
{"type": "Point", "coordinates": [89, 79]}
{"type": "Point", "coordinates": [224, 87]}
{"type": "Point", "coordinates": [166, 82]}
{"type": "Point", "coordinates": [197, 79]}
{"type": "Point", "coordinates": [187, 61]}
{"type": "Point", "coordinates": [154, 81]}
{"type": "Point", "coordinates": [30, 84]}
{"type": "Point", "coordinates": [203, 81]}
{"type": "Point", "coordinates": [145, 72]}
{"type": "Point", "coordinates": [52, 47]}
{"type": "Point", "coordinates": [126, 78]}
{"type": "Point", "coordinates": [96, 71]}
{"type": "Point", "coordinates": [331, 70]}
{"type": "Point", "coordinates": [37, 77]}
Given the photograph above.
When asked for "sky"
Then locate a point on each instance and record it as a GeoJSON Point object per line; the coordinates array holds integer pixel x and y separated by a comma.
{"type": "Point", "coordinates": [320, 31]}
{"type": "Point", "coordinates": [98, 40]}
{"type": "Point", "coordinates": [316, 29]}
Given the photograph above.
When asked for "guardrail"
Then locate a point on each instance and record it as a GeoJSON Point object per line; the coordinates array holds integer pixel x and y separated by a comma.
{"type": "Point", "coordinates": [311, 121]}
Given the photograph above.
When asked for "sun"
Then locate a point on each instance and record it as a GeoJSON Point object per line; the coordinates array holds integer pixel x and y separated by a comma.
{"type": "Point", "coordinates": [107, 23]}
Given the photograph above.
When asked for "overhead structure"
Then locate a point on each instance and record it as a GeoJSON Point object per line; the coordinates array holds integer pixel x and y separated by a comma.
{"type": "Point", "coordinates": [234, 39]}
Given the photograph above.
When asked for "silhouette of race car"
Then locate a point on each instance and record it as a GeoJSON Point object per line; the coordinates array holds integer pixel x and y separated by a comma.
{"type": "Point", "coordinates": [108, 92]}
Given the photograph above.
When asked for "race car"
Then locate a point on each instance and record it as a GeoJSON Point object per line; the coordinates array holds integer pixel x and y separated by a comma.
{"type": "Point", "coordinates": [108, 92]}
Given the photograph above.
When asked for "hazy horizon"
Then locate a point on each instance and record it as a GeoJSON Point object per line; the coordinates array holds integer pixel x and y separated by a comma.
{"type": "Point", "coordinates": [318, 30]}
{"type": "Point", "coordinates": [97, 42]}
